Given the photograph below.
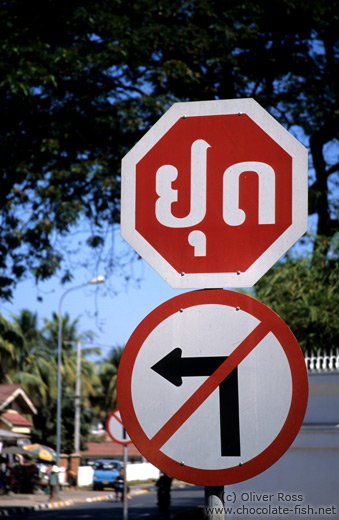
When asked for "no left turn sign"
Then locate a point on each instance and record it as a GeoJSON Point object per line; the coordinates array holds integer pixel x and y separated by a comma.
{"type": "Point", "coordinates": [116, 429]}
{"type": "Point", "coordinates": [212, 387]}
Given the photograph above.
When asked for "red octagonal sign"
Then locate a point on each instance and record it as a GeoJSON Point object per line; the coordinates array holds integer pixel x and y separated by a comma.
{"type": "Point", "coordinates": [214, 194]}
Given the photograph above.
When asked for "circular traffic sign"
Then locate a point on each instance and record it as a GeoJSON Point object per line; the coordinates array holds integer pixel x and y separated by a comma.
{"type": "Point", "coordinates": [214, 194]}
{"type": "Point", "coordinates": [116, 429]}
{"type": "Point", "coordinates": [212, 387]}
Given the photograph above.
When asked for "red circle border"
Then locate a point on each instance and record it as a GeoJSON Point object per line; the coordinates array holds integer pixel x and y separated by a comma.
{"type": "Point", "coordinates": [293, 422]}
{"type": "Point", "coordinates": [109, 432]}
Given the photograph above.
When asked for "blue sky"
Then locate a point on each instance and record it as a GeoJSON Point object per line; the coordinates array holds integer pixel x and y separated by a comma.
{"type": "Point", "coordinates": [112, 317]}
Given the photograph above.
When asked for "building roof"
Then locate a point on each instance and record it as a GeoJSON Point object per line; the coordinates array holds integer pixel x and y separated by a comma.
{"type": "Point", "coordinates": [108, 450]}
{"type": "Point", "coordinates": [16, 419]}
{"type": "Point", "coordinates": [14, 392]}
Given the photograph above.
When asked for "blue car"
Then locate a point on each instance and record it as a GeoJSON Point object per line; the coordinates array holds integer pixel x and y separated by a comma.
{"type": "Point", "coordinates": [105, 473]}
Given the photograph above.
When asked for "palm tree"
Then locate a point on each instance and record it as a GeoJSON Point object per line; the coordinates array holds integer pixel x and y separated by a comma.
{"type": "Point", "coordinates": [108, 373]}
{"type": "Point", "coordinates": [27, 322]}
{"type": "Point", "coordinates": [11, 342]}
{"type": "Point", "coordinates": [70, 338]}
{"type": "Point", "coordinates": [90, 381]}
{"type": "Point", "coordinates": [36, 367]}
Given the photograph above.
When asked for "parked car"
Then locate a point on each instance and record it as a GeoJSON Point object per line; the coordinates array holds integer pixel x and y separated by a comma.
{"type": "Point", "coordinates": [105, 473]}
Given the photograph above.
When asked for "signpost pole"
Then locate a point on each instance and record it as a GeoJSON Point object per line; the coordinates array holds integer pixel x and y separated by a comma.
{"type": "Point", "coordinates": [125, 508]}
{"type": "Point", "coordinates": [214, 506]}
{"type": "Point", "coordinates": [117, 433]}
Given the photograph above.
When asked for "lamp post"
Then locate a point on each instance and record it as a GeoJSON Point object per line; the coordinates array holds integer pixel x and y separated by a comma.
{"type": "Point", "coordinates": [77, 402]}
{"type": "Point", "coordinates": [98, 279]}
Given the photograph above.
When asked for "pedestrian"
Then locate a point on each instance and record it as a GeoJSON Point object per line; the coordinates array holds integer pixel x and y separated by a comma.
{"type": "Point", "coordinates": [2, 481]}
{"type": "Point", "coordinates": [119, 486]}
{"type": "Point", "coordinates": [164, 492]}
{"type": "Point", "coordinates": [9, 480]}
{"type": "Point", "coordinates": [53, 482]}
{"type": "Point", "coordinates": [71, 479]}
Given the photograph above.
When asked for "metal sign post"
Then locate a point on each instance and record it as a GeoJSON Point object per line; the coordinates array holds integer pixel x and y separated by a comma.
{"type": "Point", "coordinates": [214, 506]}
{"type": "Point", "coordinates": [117, 433]}
{"type": "Point", "coordinates": [125, 507]}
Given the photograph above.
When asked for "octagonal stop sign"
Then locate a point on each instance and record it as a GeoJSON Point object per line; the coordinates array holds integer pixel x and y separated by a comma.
{"type": "Point", "coordinates": [214, 194]}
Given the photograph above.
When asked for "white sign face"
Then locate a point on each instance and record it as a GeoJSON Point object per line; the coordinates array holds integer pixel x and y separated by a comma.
{"type": "Point", "coordinates": [116, 429]}
{"type": "Point", "coordinates": [214, 194]}
{"type": "Point", "coordinates": [207, 387]}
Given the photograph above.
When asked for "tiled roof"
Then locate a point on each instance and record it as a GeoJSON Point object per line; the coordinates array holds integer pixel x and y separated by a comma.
{"type": "Point", "coordinates": [16, 419]}
{"type": "Point", "coordinates": [109, 450]}
{"type": "Point", "coordinates": [7, 390]}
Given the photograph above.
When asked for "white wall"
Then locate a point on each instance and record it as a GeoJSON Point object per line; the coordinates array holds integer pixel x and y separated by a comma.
{"type": "Point", "coordinates": [323, 401]}
{"type": "Point", "coordinates": [309, 470]}
{"type": "Point", "coordinates": [85, 476]}
{"type": "Point", "coordinates": [137, 471]}
{"type": "Point", "coordinates": [142, 471]}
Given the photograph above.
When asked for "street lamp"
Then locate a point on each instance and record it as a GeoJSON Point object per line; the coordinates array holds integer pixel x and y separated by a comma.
{"type": "Point", "coordinates": [98, 279]}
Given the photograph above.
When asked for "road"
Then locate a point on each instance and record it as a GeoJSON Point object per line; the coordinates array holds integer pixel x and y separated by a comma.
{"type": "Point", "coordinates": [143, 506]}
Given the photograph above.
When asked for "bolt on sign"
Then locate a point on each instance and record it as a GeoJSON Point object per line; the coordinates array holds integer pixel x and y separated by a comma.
{"type": "Point", "coordinates": [214, 194]}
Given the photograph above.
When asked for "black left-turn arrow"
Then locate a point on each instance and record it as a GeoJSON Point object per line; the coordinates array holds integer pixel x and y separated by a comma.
{"type": "Point", "coordinates": [173, 367]}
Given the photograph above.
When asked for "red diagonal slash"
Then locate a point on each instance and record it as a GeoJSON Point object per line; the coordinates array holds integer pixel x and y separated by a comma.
{"type": "Point", "coordinates": [209, 386]}
{"type": "Point", "coordinates": [115, 415]}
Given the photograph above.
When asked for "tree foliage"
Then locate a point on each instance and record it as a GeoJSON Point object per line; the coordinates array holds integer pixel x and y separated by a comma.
{"type": "Point", "coordinates": [10, 341]}
{"type": "Point", "coordinates": [104, 400]}
{"type": "Point", "coordinates": [34, 367]}
{"type": "Point", "coordinates": [82, 81]}
{"type": "Point", "coordinates": [28, 355]}
{"type": "Point", "coordinates": [70, 338]}
{"type": "Point", "coordinates": [44, 429]}
{"type": "Point", "coordinates": [304, 292]}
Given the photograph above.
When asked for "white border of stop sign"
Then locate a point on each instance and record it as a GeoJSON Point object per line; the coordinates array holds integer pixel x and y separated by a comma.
{"type": "Point", "coordinates": [186, 280]}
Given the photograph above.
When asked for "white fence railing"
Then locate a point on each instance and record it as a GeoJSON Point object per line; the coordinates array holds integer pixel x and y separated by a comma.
{"type": "Point", "coordinates": [326, 362]}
